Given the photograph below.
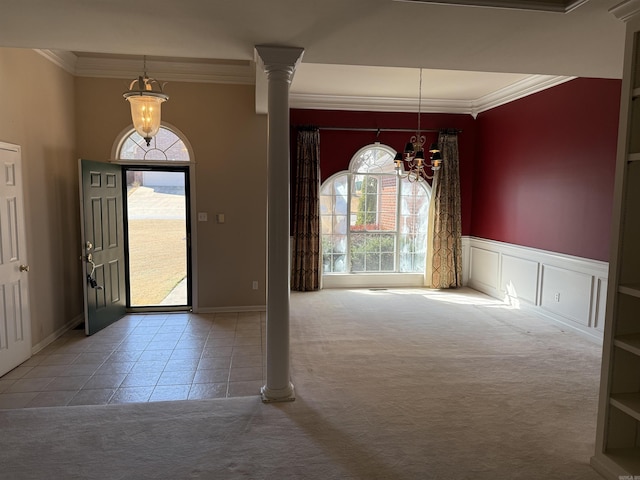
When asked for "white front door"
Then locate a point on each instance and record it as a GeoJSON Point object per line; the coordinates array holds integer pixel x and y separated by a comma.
{"type": "Point", "coordinates": [15, 321]}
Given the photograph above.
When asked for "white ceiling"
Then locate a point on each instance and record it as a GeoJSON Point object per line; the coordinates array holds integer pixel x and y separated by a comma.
{"type": "Point", "coordinates": [358, 53]}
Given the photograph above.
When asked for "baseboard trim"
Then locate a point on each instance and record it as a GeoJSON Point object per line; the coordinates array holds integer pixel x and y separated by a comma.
{"type": "Point", "coordinates": [70, 325]}
{"type": "Point", "coordinates": [246, 308]}
{"type": "Point", "coordinates": [589, 334]}
{"type": "Point", "coordinates": [608, 468]}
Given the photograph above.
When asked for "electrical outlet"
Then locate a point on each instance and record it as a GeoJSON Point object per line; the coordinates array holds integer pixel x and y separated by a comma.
{"type": "Point", "coordinates": [556, 297]}
{"type": "Point", "coordinates": [254, 285]}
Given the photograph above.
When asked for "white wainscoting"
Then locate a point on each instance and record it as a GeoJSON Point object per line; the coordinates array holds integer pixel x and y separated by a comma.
{"type": "Point", "coordinates": [570, 290]}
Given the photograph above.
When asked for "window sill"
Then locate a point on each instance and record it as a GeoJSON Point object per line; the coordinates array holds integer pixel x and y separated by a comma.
{"type": "Point", "coordinates": [372, 280]}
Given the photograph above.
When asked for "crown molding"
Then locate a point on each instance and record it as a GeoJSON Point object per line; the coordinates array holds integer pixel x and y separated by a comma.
{"type": "Point", "coordinates": [244, 73]}
{"type": "Point", "coordinates": [625, 10]}
{"type": "Point", "coordinates": [232, 72]}
{"type": "Point", "coordinates": [557, 6]}
{"type": "Point", "coordinates": [375, 104]}
{"type": "Point", "coordinates": [65, 60]}
{"type": "Point", "coordinates": [523, 88]}
{"type": "Point", "coordinates": [201, 72]}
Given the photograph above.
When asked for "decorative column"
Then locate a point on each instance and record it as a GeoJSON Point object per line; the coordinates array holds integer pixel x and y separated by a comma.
{"type": "Point", "coordinates": [279, 64]}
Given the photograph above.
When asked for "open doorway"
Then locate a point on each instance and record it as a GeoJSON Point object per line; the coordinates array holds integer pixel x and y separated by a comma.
{"type": "Point", "coordinates": [157, 237]}
{"type": "Point", "coordinates": [157, 210]}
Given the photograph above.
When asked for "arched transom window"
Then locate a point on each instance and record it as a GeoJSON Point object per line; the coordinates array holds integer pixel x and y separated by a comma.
{"type": "Point", "coordinates": [373, 220]}
{"type": "Point", "coordinates": [165, 146]}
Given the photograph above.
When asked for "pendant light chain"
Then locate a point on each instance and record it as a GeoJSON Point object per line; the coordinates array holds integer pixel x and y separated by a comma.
{"type": "Point", "coordinates": [415, 152]}
{"type": "Point", "coordinates": [419, 104]}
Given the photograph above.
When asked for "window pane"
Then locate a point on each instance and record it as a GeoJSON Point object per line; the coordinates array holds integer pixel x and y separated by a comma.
{"type": "Point", "coordinates": [131, 150]}
{"type": "Point", "coordinates": [178, 151]}
{"type": "Point", "coordinates": [327, 244]}
{"type": "Point", "coordinates": [339, 244]}
{"type": "Point", "coordinates": [374, 160]}
{"type": "Point", "coordinates": [339, 263]}
{"type": "Point", "coordinates": [326, 224]}
{"type": "Point", "coordinates": [386, 262]}
{"type": "Point", "coordinates": [373, 252]}
{"type": "Point", "coordinates": [357, 242]}
{"type": "Point", "coordinates": [340, 206]}
{"type": "Point", "coordinates": [412, 252]}
{"type": "Point", "coordinates": [155, 154]}
{"type": "Point", "coordinates": [414, 211]}
{"type": "Point", "coordinates": [357, 262]}
{"type": "Point", "coordinates": [327, 188]}
{"type": "Point", "coordinates": [412, 263]}
{"type": "Point", "coordinates": [366, 205]}
{"type": "Point", "coordinates": [166, 145]}
{"type": "Point", "coordinates": [332, 263]}
{"type": "Point", "coordinates": [326, 204]}
{"type": "Point", "coordinates": [340, 185]}
{"type": "Point", "coordinates": [387, 243]}
{"type": "Point", "coordinates": [372, 262]}
{"type": "Point", "coordinates": [388, 211]}
{"type": "Point", "coordinates": [340, 224]}
{"type": "Point", "coordinates": [326, 263]}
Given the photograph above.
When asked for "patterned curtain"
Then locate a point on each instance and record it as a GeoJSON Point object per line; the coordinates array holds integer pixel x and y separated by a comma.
{"type": "Point", "coordinates": [444, 248]}
{"type": "Point", "coordinates": [306, 213]}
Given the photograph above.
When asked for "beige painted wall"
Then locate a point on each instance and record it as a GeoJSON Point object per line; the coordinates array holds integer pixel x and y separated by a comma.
{"type": "Point", "coordinates": [57, 119]}
{"type": "Point", "coordinates": [37, 113]}
{"type": "Point", "coordinates": [230, 143]}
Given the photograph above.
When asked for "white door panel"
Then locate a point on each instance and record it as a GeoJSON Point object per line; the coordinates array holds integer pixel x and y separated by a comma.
{"type": "Point", "coordinates": [15, 320]}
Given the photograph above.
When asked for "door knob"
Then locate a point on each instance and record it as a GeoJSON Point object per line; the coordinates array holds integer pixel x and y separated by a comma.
{"type": "Point", "coordinates": [24, 268]}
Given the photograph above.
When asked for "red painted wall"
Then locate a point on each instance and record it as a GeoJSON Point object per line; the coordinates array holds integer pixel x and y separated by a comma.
{"type": "Point", "coordinates": [545, 169]}
{"type": "Point", "coordinates": [338, 147]}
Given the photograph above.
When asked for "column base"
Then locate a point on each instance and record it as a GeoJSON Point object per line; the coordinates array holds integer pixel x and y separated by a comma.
{"type": "Point", "coordinates": [282, 395]}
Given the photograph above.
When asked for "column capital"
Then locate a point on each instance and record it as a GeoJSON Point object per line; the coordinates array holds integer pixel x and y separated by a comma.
{"type": "Point", "coordinates": [278, 59]}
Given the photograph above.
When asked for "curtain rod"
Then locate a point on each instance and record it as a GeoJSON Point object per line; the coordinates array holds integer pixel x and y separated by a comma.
{"type": "Point", "coordinates": [378, 130]}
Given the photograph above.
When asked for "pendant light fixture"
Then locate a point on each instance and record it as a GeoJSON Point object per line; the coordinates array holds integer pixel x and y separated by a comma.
{"type": "Point", "coordinates": [414, 153]}
{"type": "Point", "coordinates": [145, 96]}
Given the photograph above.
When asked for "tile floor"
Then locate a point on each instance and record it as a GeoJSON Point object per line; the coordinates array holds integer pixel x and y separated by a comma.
{"type": "Point", "coordinates": [144, 358]}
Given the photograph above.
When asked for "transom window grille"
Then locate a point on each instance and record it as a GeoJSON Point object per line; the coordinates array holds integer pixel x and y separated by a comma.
{"type": "Point", "coordinates": [166, 145]}
{"type": "Point", "coordinates": [371, 219]}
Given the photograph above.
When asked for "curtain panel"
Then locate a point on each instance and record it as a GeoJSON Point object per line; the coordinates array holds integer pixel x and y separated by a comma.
{"type": "Point", "coordinates": [444, 237]}
{"type": "Point", "coordinates": [305, 267]}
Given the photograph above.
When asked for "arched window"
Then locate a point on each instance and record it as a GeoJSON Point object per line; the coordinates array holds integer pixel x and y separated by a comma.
{"type": "Point", "coordinates": [372, 220]}
{"type": "Point", "coordinates": [166, 146]}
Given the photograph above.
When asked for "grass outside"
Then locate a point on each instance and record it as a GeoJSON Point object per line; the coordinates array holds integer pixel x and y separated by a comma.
{"type": "Point", "coordinates": [158, 252]}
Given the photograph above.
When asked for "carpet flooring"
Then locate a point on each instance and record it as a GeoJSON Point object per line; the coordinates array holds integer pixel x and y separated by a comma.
{"type": "Point", "coordinates": [390, 384]}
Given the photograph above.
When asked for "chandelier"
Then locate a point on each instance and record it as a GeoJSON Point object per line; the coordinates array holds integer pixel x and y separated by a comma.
{"type": "Point", "coordinates": [145, 96]}
{"type": "Point", "coordinates": [417, 166]}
